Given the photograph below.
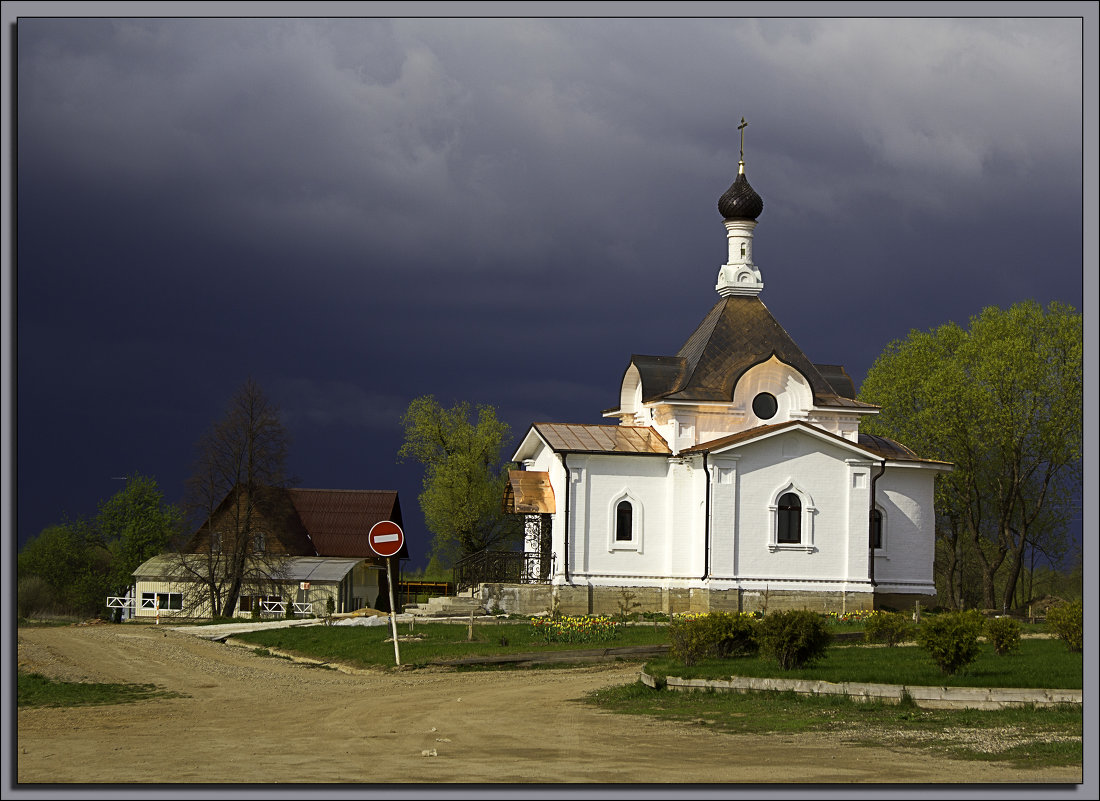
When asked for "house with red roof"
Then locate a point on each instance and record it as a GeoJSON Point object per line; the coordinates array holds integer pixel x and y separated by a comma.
{"type": "Point", "coordinates": [307, 546]}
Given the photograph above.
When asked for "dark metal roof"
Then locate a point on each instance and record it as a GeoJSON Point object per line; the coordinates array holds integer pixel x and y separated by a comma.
{"type": "Point", "coordinates": [169, 567]}
{"type": "Point", "coordinates": [580, 438]}
{"type": "Point", "coordinates": [338, 521]}
{"type": "Point", "coordinates": [740, 201]}
{"type": "Point", "coordinates": [737, 333]}
{"type": "Point", "coordinates": [837, 378]}
{"type": "Point", "coordinates": [892, 450]}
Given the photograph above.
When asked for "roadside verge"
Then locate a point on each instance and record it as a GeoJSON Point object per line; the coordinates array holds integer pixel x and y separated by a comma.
{"type": "Point", "coordinates": [926, 697]}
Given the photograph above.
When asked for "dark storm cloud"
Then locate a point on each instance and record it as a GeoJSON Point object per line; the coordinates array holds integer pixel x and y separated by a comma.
{"type": "Point", "coordinates": [359, 211]}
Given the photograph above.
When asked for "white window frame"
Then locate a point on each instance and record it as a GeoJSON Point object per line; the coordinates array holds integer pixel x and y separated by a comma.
{"type": "Point", "coordinates": [636, 521]}
{"type": "Point", "coordinates": [806, 527]}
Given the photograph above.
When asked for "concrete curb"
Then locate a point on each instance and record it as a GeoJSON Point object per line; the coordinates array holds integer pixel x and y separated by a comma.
{"type": "Point", "coordinates": [926, 697]}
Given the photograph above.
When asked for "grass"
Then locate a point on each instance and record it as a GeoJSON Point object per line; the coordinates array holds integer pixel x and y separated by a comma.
{"type": "Point", "coordinates": [363, 646]}
{"type": "Point", "coordinates": [1024, 737]}
{"type": "Point", "coordinates": [35, 690]}
{"type": "Point", "coordinates": [1039, 663]}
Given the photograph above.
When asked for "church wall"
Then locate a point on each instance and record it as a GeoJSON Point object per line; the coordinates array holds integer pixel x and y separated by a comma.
{"type": "Point", "coordinates": [817, 473]}
{"type": "Point", "coordinates": [603, 482]}
{"type": "Point", "coordinates": [724, 544]}
{"type": "Point", "coordinates": [683, 531]}
{"type": "Point", "coordinates": [714, 424]}
{"type": "Point", "coordinates": [905, 563]}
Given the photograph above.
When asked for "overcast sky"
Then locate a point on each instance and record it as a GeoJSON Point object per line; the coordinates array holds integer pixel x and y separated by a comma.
{"type": "Point", "coordinates": [358, 211]}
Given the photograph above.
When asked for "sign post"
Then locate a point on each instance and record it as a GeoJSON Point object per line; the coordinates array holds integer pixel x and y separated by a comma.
{"type": "Point", "coordinates": [386, 539]}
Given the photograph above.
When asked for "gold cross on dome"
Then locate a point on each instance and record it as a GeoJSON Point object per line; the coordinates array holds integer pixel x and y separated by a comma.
{"type": "Point", "coordinates": [741, 128]}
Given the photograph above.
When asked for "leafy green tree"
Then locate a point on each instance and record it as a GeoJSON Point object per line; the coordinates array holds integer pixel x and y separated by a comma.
{"type": "Point", "coordinates": [82, 562]}
{"type": "Point", "coordinates": [464, 476]}
{"type": "Point", "coordinates": [135, 524]}
{"type": "Point", "coordinates": [1003, 402]}
{"type": "Point", "coordinates": [71, 564]}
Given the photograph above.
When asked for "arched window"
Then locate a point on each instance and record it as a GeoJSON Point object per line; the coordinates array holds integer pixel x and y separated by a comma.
{"type": "Point", "coordinates": [624, 520]}
{"type": "Point", "coordinates": [789, 521]}
{"type": "Point", "coordinates": [876, 529]}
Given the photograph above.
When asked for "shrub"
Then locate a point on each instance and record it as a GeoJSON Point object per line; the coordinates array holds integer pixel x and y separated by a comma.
{"type": "Point", "coordinates": [951, 639]}
{"type": "Point", "coordinates": [1003, 633]}
{"type": "Point", "coordinates": [33, 595]}
{"type": "Point", "coordinates": [888, 627]}
{"type": "Point", "coordinates": [793, 638]}
{"type": "Point", "coordinates": [1066, 619]}
{"type": "Point", "coordinates": [720, 635]}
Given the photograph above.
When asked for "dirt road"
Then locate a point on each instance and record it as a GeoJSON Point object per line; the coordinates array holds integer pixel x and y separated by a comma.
{"type": "Point", "coordinates": [249, 718]}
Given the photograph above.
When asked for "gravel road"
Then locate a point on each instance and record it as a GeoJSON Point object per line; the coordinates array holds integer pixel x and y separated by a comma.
{"type": "Point", "coordinates": [246, 718]}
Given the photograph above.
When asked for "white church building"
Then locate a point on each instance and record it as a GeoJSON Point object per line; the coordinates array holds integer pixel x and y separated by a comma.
{"type": "Point", "coordinates": [733, 478]}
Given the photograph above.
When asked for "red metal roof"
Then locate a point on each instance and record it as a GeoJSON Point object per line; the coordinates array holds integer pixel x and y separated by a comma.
{"type": "Point", "coordinates": [338, 521]}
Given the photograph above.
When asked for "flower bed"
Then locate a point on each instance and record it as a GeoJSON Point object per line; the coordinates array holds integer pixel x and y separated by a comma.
{"type": "Point", "coordinates": [577, 629]}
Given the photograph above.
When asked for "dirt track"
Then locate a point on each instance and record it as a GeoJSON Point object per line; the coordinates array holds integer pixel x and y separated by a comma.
{"type": "Point", "coordinates": [247, 718]}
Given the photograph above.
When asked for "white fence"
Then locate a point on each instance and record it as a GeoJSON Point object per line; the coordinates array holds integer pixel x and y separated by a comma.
{"type": "Point", "coordinates": [279, 608]}
{"type": "Point", "coordinates": [266, 607]}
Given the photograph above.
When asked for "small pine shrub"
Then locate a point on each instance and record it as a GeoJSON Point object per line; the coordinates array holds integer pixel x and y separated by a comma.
{"type": "Point", "coordinates": [887, 627]}
{"type": "Point", "coordinates": [720, 635]}
{"type": "Point", "coordinates": [1003, 634]}
{"type": "Point", "coordinates": [794, 638]}
{"type": "Point", "coordinates": [330, 606]}
{"type": "Point", "coordinates": [1067, 621]}
{"type": "Point", "coordinates": [951, 639]}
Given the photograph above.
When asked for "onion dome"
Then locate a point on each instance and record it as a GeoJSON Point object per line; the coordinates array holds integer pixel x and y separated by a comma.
{"type": "Point", "coordinates": [740, 202]}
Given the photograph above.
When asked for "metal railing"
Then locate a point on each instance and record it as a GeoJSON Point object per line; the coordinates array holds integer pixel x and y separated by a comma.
{"type": "Point", "coordinates": [410, 592]}
{"type": "Point", "coordinates": [501, 567]}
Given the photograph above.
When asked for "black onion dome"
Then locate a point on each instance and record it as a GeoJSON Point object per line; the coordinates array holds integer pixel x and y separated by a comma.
{"type": "Point", "coordinates": [740, 201]}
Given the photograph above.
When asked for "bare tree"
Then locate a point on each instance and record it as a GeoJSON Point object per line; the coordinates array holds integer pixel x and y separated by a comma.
{"type": "Point", "coordinates": [234, 499]}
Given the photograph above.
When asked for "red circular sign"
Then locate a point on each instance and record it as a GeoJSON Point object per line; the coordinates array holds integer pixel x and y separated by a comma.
{"type": "Point", "coordinates": [386, 538]}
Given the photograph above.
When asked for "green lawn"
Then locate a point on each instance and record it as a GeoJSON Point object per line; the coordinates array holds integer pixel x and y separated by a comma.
{"type": "Point", "coordinates": [1040, 663]}
{"type": "Point", "coordinates": [36, 690]}
{"type": "Point", "coordinates": [1024, 737]}
{"type": "Point", "coordinates": [361, 646]}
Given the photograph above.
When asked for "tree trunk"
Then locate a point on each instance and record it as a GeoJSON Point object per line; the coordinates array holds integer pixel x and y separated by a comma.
{"type": "Point", "coordinates": [1019, 544]}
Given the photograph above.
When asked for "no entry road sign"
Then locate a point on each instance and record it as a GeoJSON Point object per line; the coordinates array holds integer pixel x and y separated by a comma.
{"type": "Point", "coordinates": [386, 538]}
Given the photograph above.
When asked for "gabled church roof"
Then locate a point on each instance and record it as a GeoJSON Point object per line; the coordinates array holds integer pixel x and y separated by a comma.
{"type": "Point", "coordinates": [736, 334]}
{"type": "Point", "coordinates": [882, 447]}
{"type": "Point", "coordinates": [582, 438]}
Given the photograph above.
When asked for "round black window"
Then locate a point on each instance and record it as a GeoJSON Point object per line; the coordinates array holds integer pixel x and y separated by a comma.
{"type": "Point", "coordinates": [765, 406]}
